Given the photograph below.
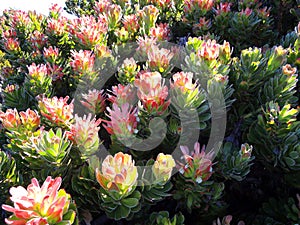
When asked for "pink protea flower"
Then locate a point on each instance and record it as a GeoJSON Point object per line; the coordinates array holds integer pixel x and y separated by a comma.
{"type": "Point", "coordinates": [113, 15]}
{"type": "Point", "coordinates": [204, 5]}
{"type": "Point", "coordinates": [84, 133]}
{"type": "Point", "coordinates": [39, 205]}
{"type": "Point", "coordinates": [159, 59]}
{"type": "Point", "coordinates": [11, 88]}
{"type": "Point", "coordinates": [184, 81]}
{"type": "Point", "coordinates": [246, 12]}
{"type": "Point", "coordinates": [246, 151]}
{"type": "Point", "coordinates": [101, 6]}
{"type": "Point", "coordinates": [145, 45]}
{"type": "Point", "coordinates": [102, 51]}
{"type": "Point", "coordinates": [83, 61]}
{"type": "Point", "coordinates": [38, 72]}
{"type": "Point", "coordinates": [223, 8]}
{"type": "Point", "coordinates": [57, 110]}
{"type": "Point", "coordinates": [118, 173]}
{"type": "Point", "coordinates": [264, 12]}
{"type": "Point", "coordinates": [12, 45]}
{"type": "Point", "coordinates": [131, 23]}
{"type": "Point", "coordinates": [22, 122]}
{"type": "Point", "coordinates": [198, 164]}
{"type": "Point", "coordinates": [10, 119]}
{"type": "Point", "coordinates": [20, 19]}
{"type": "Point", "coordinates": [152, 92]}
{"type": "Point", "coordinates": [204, 24]}
{"type": "Point", "coordinates": [161, 32]}
{"type": "Point", "coordinates": [10, 33]}
{"type": "Point", "coordinates": [88, 31]}
{"type": "Point", "coordinates": [51, 54]}
{"type": "Point", "coordinates": [37, 40]}
{"type": "Point", "coordinates": [148, 16]}
{"type": "Point", "coordinates": [123, 94]}
{"type": "Point", "coordinates": [209, 50]}
{"type": "Point", "coordinates": [123, 121]}
{"type": "Point", "coordinates": [55, 11]}
{"type": "Point", "coordinates": [94, 100]}
{"type": "Point", "coordinates": [57, 27]}
{"type": "Point", "coordinates": [30, 119]}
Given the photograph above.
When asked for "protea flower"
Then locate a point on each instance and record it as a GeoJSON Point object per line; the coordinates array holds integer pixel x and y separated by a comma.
{"type": "Point", "coordinates": [209, 50]}
{"type": "Point", "coordinates": [123, 121]}
{"type": "Point", "coordinates": [148, 16]}
{"type": "Point", "coordinates": [128, 70]}
{"type": "Point", "coordinates": [37, 40]}
{"type": "Point", "coordinates": [198, 164]}
{"type": "Point", "coordinates": [57, 27]}
{"type": "Point", "coordinates": [10, 119]}
{"type": "Point", "coordinates": [94, 101]}
{"type": "Point", "coordinates": [12, 45]}
{"type": "Point", "coordinates": [21, 122]}
{"type": "Point", "coordinates": [40, 205]}
{"type": "Point", "coordinates": [161, 32]}
{"type": "Point", "coordinates": [162, 167]}
{"type": "Point", "coordinates": [88, 31]}
{"type": "Point", "coordinates": [118, 174]}
{"type": "Point", "coordinates": [113, 14]}
{"type": "Point", "coordinates": [289, 70]}
{"type": "Point", "coordinates": [131, 23]}
{"type": "Point", "coordinates": [51, 54]}
{"type": "Point", "coordinates": [246, 151]}
{"type": "Point", "coordinates": [159, 59]}
{"type": "Point", "coordinates": [84, 133]}
{"type": "Point", "coordinates": [223, 8]}
{"type": "Point", "coordinates": [83, 61]}
{"type": "Point", "coordinates": [57, 110]}
{"type": "Point", "coordinates": [203, 5]}
{"type": "Point", "coordinates": [38, 73]}
{"type": "Point", "coordinates": [123, 94]}
{"type": "Point", "coordinates": [152, 92]}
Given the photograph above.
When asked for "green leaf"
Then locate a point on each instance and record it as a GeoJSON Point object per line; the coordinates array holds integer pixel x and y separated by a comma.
{"type": "Point", "coordinates": [130, 202]}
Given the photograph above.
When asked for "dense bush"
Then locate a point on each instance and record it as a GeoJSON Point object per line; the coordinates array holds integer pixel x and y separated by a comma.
{"type": "Point", "coordinates": [151, 112]}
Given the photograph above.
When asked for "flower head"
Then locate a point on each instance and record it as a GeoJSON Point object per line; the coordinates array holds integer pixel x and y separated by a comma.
{"type": "Point", "coordinates": [89, 31]}
{"type": "Point", "coordinates": [128, 70]}
{"type": "Point", "coordinates": [123, 121]}
{"type": "Point", "coordinates": [161, 32]}
{"type": "Point", "coordinates": [39, 205]}
{"type": "Point", "coordinates": [162, 167]}
{"type": "Point", "coordinates": [289, 70]}
{"type": "Point", "coordinates": [209, 50]}
{"type": "Point", "coordinates": [57, 110]}
{"type": "Point", "coordinates": [123, 94]}
{"type": "Point", "coordinates": [198, 164]}
{"type": "Point", "coordinates": [152, 92]}
{"type": "Point", "coordinates": [246, 151]}
{"type": "Point", "coordinates": [148, 16]}
{"type": "Point", "coordinates": [94, 101]}
{"type": "Point", "coordinates": [84, 133]}
{"type": "Point", "coordinates": [131, 23]}
{"type": "Point", "coordinates": [51, 54]}
{"type": "Point", "coordinates": [159, 59]}
{"type": "Point", "coordinates": [83, 61]}
{"type": "Point", "coordinates": [118, 173]}
{"type": "Point", "coordinates": [10, 119]}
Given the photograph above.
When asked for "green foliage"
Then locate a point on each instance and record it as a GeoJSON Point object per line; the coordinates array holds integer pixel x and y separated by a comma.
{"type": "Point", "coordinates": [162, 218]}
{"type": "Point", "coordinates": [235, 163]}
